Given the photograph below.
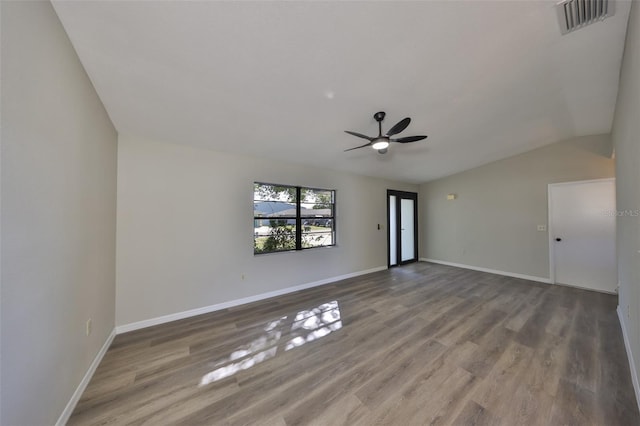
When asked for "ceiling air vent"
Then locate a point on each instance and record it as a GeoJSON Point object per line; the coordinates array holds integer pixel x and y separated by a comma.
{"type": "Point", "coordinates": [574, 14]}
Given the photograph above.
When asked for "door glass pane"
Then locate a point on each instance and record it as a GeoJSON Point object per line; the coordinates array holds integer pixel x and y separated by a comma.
{"type": "Point", "coordinates": [393, 241]}
{"type": "Point", "coordinates": [406, 225]}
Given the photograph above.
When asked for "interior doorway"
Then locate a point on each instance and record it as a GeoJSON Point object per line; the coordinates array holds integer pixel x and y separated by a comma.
{"type": "Point", "coordinates": [582, 234]}
{"type": "Point", "coordinates": [402, 227]}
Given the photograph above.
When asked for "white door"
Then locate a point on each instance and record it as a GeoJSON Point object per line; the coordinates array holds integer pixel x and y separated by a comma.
{"type": "Point", "coordinates": [582, 233]}
{"type": "Point", "coordinates": [407, 247]}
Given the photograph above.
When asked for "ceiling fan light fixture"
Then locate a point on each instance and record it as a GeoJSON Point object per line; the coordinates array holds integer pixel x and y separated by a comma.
{"type": "Point", "coordinates": [380, 143]}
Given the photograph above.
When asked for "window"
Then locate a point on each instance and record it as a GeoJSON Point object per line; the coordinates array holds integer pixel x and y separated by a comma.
{"type": "Point", "coordinates": [292, 218]}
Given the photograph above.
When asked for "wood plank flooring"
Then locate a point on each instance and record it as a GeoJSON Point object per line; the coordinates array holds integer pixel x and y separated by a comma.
{"type": "Point", "coordinates": [420, 344]}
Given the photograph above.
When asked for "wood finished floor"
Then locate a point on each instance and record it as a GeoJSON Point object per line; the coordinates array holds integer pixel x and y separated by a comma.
{"type": "Point", "coordinates": [421, 344]}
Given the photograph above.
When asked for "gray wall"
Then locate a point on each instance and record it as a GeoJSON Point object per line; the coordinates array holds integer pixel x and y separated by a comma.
{"type": "Point", "coordinates": [58, 217]}
{"type": "Point", "coordinates": [493, 221]}
{"type": "Point", "coordinates": [626, 139]}
{"type": "Point", "coordinates": [185, 228]}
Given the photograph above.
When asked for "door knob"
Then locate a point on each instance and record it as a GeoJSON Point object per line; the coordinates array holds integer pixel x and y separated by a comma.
{"type": "Point", "coordinates": [558, 239]}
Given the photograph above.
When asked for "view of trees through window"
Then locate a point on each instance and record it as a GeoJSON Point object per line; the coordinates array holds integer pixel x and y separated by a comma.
{"type": "Point", "coordinates": [292, 218]}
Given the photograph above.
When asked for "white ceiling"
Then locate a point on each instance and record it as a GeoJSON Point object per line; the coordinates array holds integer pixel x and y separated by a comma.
{"type": "Point", "coordinates": [484, 79]}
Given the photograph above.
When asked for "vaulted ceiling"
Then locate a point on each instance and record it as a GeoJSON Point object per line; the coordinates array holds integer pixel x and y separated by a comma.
{"type": "Point", "coordinates": [283, 80]}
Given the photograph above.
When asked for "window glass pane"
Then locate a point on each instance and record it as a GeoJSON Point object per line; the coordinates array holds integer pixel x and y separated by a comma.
{"type": "Point", "coordinates": [322, 197]}
{"type": "Point", "coordinates": [318, 235]}
{"type": "Point", "coordinates": [274, 235]}
{"type": "Point", "coordinates": [316, 207]}
{"type": "Point", "coordinates": [314, 212]}
{"type": "Point", "coordinates": [273, 209]}
{"type": "Point", "coordinates": [268, 192]}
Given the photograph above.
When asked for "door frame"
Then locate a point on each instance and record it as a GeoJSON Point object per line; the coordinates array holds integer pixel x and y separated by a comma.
{"type": "Point", "coordinates": [407, 195]}
{"type": "Point", "coordinates": [550, 230]}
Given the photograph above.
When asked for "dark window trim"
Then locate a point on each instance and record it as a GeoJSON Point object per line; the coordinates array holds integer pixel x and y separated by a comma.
{"type": "Point", "coordinates": [299, 218]}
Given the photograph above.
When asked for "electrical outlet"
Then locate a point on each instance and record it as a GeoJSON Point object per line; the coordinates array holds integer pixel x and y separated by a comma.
{"type": "Point", "coordinates": [242, 277]}
{"type": "Point", "coordinates": [542, 227]}
{"type": "Point", "coordinates": [88, 326]}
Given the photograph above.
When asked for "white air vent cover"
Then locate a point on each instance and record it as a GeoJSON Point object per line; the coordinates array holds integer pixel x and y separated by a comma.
{"type": "Point", "coordinates": [574, 14]}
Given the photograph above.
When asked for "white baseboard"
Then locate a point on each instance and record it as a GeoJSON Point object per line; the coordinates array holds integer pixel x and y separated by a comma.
{"type": "Point", "coordinates": [71, 405]}
{"type": "Point", "coordinates": [491, 271]}
{"type": "Point", "coordinates": [632, 364]}
{"type": "Point", "coordinates": [219, 306]}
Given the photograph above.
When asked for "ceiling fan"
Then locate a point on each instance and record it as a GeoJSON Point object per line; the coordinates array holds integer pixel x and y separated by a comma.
{"type": "Point", "coordinates": [381, 142]}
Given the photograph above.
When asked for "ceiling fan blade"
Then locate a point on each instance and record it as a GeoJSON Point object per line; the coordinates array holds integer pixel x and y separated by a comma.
{"type": "Point", "coordinates": [400, 126]}
{"type": "Point", "coordinates": [360, 135]}
{"type": "Point", "coordinates": [361, 146]}
{"type": "Point", "coordinates": [408, 139]}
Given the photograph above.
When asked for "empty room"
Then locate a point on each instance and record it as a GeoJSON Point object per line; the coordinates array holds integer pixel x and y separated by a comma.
{"type": "Point", "coordinates": [320, 212]}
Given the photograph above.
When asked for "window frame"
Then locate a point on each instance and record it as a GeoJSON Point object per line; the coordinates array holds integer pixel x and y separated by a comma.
{"type": "Point", "coordinates": [299, 227]}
